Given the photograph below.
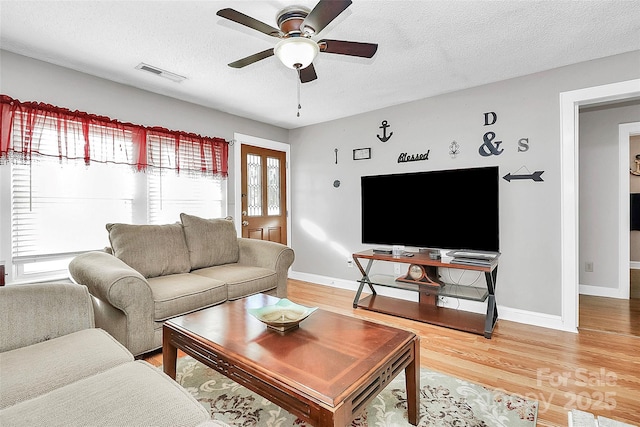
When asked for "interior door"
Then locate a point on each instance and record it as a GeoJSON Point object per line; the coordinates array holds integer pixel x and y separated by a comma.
{"type": "Point", "coordinates": [263, 182]}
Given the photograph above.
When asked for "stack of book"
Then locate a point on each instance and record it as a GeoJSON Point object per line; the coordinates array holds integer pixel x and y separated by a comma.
{"type": "Point", "coordinates": [481, 259]}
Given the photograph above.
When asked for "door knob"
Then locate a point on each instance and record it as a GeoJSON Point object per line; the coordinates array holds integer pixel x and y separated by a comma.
{"type": "Point", "coordinates": [245, 223]}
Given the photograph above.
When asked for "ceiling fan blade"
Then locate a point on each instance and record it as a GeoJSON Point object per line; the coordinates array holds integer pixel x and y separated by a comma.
{"type": "Point", "coordinates": [251, 59]}
{"type": "Point", "coordinates": [308, 74]}
{"type": "Point", "coordinates": [324, 12]}
{"type": "Point", "coordinates": [241, 18]}
{"type": "Point", "coordinates": [341, 47]}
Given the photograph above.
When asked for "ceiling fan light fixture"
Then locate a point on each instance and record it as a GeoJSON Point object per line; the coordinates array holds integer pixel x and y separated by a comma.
{"type": "Point", "coordinates": [296, 52]}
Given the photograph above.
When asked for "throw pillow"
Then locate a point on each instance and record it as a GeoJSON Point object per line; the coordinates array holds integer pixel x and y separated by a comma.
{"type": "Point", "coordinates": [151, 250]}
{"type": "Point", "coordinates": [210, 241]}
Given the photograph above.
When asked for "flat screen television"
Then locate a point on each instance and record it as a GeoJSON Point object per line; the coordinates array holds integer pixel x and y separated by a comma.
{"type": "Point", "coordinates": [446, 209]}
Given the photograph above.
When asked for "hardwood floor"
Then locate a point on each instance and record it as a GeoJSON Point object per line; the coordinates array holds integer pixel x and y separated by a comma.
{"type": "Point", "coordinates": [611, 315]}
{"type": "Point", "coordinates": [598, 372]}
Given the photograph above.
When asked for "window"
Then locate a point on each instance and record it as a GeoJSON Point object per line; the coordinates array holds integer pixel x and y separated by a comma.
{"type": "Point", "coordinates": [59, 206]}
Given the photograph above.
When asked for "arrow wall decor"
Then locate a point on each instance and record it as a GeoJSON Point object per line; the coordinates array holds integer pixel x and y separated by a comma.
{"type": "Point", "coordinates": [536, 176]}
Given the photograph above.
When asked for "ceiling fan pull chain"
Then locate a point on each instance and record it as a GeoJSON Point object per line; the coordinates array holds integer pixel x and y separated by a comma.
{"type": "Point", "coordinates": [299, 106]}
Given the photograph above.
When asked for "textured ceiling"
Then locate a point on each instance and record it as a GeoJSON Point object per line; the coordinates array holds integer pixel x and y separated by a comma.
{"type": "Point", "coordinates": [425, 48]}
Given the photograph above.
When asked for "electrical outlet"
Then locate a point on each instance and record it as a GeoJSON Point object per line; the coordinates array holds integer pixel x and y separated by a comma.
{"type": "Point", "coordinates": [588, 266]}
{"type": "Point", "coordinates": [397, 269]}
{"type": "Point", "coordinates": [350, 263]}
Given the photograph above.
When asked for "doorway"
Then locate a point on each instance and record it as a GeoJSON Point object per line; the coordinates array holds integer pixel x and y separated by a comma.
{"type": "Point", "coordinates": [618, 310]}
{"type": "Point", "coordinates": [569, 105]}
{"type": "Point", "coordinates": [263, 194]}
{"type": "Point", "coordinates": [265, 217]}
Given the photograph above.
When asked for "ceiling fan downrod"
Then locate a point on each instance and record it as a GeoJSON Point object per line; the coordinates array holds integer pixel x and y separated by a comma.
{"type": "Point", "coordinates": [299, 106]}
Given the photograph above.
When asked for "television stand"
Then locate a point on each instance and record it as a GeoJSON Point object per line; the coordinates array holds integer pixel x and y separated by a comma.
{"type": "Point", "coordinates": [429, 288]}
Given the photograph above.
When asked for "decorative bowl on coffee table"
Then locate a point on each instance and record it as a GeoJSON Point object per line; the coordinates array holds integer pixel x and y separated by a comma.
{"type": "Point", "coordinates": [283, 315]}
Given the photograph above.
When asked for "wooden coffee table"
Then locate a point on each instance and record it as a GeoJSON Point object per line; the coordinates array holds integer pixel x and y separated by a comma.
{"type": "Point", "coordinates": [325, 372]}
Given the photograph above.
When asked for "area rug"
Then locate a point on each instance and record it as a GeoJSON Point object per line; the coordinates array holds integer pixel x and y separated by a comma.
{"type": "Point", "coordinates": [444, 401]}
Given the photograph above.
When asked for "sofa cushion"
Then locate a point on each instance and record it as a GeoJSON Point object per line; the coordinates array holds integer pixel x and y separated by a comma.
{"type": "Point", "coordinates": [210, 241]}
{"type": "Point", "coordinates": [242, 280]}
{"type": "Point", "coordinates": [34, 370]}
{"type": "Point", "coordinates": [131, 394]}
{"type": "Point", "coordinates": [179, 294]}
{"type": "Point", "coordinates": [151, 250]}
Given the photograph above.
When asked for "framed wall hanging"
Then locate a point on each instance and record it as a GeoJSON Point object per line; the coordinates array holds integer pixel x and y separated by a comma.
{"type": "Point", "coordinates": [361, 153]}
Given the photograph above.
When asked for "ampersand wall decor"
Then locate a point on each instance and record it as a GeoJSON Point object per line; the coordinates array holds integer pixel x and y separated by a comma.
{"type": "Point", "coordinates": [490, 147]}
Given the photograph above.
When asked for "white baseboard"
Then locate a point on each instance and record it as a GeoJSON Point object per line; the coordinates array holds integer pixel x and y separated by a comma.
{"type": "Point", "coordinates": [601, 291]}
{"type": "Point", "coordinates": [542, 320]}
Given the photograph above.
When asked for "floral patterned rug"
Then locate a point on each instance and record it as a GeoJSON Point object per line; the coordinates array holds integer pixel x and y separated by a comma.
{"type": "Point", "coordinates": [444, 401]}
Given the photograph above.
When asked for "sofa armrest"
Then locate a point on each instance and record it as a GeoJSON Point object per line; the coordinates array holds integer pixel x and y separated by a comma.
{"type": "Point", "coordinates": [113, 282]}
{"type": "Point", "coordinates": [266, 254]}
{"type": "Point", "coordinates": [32, 313]}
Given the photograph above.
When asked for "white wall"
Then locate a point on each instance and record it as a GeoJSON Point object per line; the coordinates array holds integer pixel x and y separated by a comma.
{"type": "Point", "coordinates": [599, 200]}
{"type": "Point", "coordinates": [527, 107]}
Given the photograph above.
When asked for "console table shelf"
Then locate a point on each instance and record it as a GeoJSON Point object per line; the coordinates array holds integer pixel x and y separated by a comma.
{"type": "Point", "coordinates": [452, 290]}
{"type": "Point", "coordinates": [426, 309]}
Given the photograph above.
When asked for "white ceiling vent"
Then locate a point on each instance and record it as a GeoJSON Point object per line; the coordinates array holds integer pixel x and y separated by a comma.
{"type": "Point", "coordinates": [160, 72]}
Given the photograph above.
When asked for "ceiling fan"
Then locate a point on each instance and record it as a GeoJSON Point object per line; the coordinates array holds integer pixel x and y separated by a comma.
{"type": "Point", "coordinates": [296, 48]}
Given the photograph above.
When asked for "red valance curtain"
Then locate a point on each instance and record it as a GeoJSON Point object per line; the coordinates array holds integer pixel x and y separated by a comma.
{"type": "Point", "coordinates": [93, 138]}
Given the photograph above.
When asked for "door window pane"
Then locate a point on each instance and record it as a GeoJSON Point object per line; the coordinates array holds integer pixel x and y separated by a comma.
{"type": "Point", "coordinates": [273, 186]}
{"type": "Point", "coordinates": [254, 185]}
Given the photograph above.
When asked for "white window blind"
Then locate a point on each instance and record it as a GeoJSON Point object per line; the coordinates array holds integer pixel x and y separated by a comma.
{"type": "Point", "coordinates": [64, 208]}
{"type": "Point", "coordinates": [170, 194]}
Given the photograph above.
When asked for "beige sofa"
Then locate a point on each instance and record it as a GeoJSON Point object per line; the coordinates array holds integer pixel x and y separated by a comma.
{"type": "Point", "coordinates": [56, 369]}
{"type": "Point", "coordinates": [157, 272]}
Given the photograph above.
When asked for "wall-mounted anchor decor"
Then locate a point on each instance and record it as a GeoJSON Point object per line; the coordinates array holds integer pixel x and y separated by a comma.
{"type": "Point", "coordinates": [384, 137]}
{"type": "Point", "coordinates": [637, 171]}
{"type": "Point", "coordinates": [535, 176]}
{"type": "Point", "coordinates": [454, 149]}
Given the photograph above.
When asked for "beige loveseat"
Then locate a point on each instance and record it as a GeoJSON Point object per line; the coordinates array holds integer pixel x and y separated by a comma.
{"type": "Point", "coordinates": [56, 369]}
{"type": "Point", "coordinates": [157, 272]}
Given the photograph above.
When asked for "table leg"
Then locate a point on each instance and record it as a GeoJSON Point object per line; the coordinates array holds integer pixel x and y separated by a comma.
{"type": "Point", "coordinates": [412, 384]}
{"type": "Point", "coordinates": [169, 354]}
{"type": "Point", "coordinates": [365, 279]}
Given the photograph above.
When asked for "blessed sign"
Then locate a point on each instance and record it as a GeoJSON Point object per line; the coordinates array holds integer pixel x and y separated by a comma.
{"type": "Point", "coordinates": [405, 157]}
